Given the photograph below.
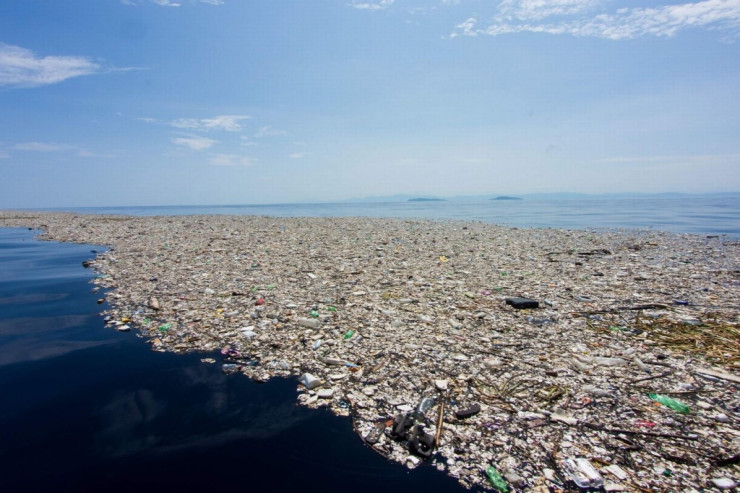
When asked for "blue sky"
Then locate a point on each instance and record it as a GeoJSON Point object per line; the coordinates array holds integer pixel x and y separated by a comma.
{"type": "Point", "coordinates": [176, 102]}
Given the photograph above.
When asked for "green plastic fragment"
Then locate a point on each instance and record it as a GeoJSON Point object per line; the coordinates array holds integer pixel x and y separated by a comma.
{"type": "Point", "coordinates": [671, 403]}
{"type": "Point", "coordinates": [496, 480]}
{"type": "Point", "coordinates": [164, 327]}
{"type": "Point", "coordinates": [349, 334]}
{"type": "Point", "coordinates": [270, 287]}
{"type": "Point", "coordinates": [332, 309]}
{"type": "Point", "coordinates": [255, 289]}
{"type": "Point", "coordinates": [314, 313]}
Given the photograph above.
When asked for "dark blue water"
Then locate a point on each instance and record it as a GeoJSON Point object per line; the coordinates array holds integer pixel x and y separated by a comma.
{"type": "Point", "coordinates": [85, 408]}
{"type": "Point", "coordinates": [712, 214]}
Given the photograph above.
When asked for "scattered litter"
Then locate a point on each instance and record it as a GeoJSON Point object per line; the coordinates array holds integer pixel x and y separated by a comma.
{"type": "Point", "coordinates": [521, 303]}
{"type": "Point", "coordinates": [413, 328]}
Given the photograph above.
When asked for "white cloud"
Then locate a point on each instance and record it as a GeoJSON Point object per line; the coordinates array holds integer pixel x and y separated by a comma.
{"type": "Point", "coordinates": [41, 147]}
{"type": "Point", "coordinates": [20, 67]}
{"type": "Point", "coordinates": [268, 131]}
{"type": "Point", "coordinates": [296, 155]}
{"type": "Point", "coordinates": [222, 122]}
{"type": "Point", "coordinates": [539, 9]}
{"type": "Point", "coordinates": [35, 146]}
{"type": "Point", "coordinates": [4, 155]}
{"type": "Point", "coordinates": [166, 3]}
{"type": "Point", "coordinates": [382, 4]}
{"type": "Point", "coordinates": [569, 17]}
{"type": "Point", "coordinates": [229, 123]}
{"type": "Point", "coordinates": [230, 160]}
{"type": "Point", "coordinates": [194, 142]}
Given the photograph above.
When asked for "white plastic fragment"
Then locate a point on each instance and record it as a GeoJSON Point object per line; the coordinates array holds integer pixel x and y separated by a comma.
{"type": "Point", "coordinates": [617, 471]}
{"type": "Point", "coordinates": [325, 393]}
{"type": "Point", "coordinates": [562, 417]}
{"type": "Point", "coordinates": [311, 323]}
{"type": "Point", "coordinates": [310, 381]}
{"type": "Point", "coordinates": [724, 483]}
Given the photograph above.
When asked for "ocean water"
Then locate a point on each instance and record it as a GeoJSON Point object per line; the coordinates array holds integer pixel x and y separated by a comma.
{"type": "Point", "coordinates": [86, 408]}
{"type": "Point", "coordinates": [710, 215]}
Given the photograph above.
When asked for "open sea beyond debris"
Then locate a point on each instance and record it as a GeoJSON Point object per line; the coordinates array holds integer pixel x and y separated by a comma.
{"type": "Point", "coordinates": [86, 408]}
{"type": "Point", "coordinates": [708, 214]}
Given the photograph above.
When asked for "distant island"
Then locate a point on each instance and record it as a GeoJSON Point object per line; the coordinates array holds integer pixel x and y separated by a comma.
{"type": "Point", "coordinates": [506, 197]}
{"type": "Point", "coordinates": [426, 199]}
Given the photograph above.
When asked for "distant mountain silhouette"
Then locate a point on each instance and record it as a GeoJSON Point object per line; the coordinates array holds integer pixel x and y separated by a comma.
{"type": "Point", "coordinates": [506, 197]}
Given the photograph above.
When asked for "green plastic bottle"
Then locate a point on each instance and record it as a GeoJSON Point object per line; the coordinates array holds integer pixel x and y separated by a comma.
{"type": "Point", "coordinates": [496, 480]}
{"type": "Point", "coordinates": [677, 406]}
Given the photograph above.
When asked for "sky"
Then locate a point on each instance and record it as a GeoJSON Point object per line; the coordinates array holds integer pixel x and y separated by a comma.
{"type": "Point", "coordinates": [200, 102]}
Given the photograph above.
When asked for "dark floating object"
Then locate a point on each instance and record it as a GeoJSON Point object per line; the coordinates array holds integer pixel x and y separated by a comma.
{"type": "Point", "coordinates": [520, 303]}
{"type": "Point", "coordinates": [87, 263]}
{"type": "Point", "coordinates": [466, 413]}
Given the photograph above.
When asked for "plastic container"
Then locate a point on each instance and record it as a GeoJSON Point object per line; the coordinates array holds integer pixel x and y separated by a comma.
{"type": "Point", "coordinates": [582, 473]}
{"type": "Point", "coordinates": [496, 480]}
{"type": "Point", "coordinates": [671, 403]}
{"type": "Point", "coordinates": [310, 381]}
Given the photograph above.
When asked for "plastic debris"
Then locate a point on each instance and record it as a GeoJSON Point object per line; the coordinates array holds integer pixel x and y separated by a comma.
{"type": "Point", "coordinates": [582, 473]}
{"type": "Point", "coordinates": [495, 479]}
{"type": "Point", "coordinates": [310, 381]}
{"type": "Point", "coordinates": [671, 403]}
{"type": "Point", "coordinates": [522, 303]}
{"type": "Point", "coordinates": [570, 380]}
{"type": "Point", "coordinates": [467, 412]}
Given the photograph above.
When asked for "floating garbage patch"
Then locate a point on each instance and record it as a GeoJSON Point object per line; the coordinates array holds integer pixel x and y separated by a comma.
{"type": "Point", "coordinates": [511, 359]}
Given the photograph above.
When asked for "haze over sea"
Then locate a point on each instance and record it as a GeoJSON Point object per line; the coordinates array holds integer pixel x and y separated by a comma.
{"type": "Point", "coordinates": [698, 214]}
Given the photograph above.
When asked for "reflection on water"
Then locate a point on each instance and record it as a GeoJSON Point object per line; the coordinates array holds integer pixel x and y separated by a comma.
{"type": "Point", "coordinates": [87, 408]}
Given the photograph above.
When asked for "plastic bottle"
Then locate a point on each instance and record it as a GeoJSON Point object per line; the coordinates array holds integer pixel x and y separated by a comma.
{"type": "Point", "coordinates": [425, 404]}
{"type": "Point", "coordinates": [496, 480]}
{"type": "Point", "coordinates": [582, 473]}
{"type": "Point", "coordinates": [677, 406]}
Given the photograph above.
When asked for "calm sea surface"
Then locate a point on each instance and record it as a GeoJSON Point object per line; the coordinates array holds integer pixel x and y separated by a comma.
{"type": "Point", "coordinates": [718, 214]}
{"type": "Point", "coordinates": [86, 408]}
